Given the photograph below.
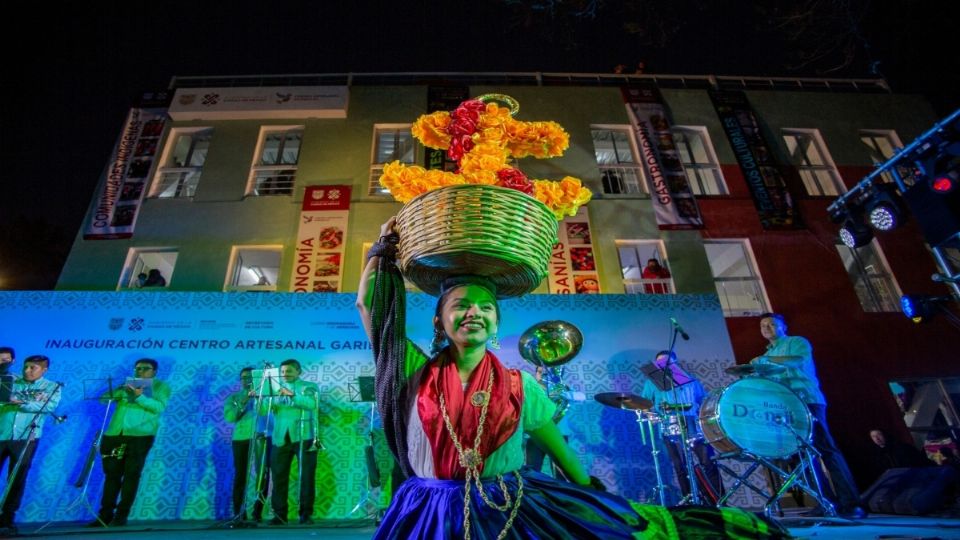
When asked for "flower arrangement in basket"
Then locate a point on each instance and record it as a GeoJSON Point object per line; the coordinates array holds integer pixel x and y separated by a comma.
{"type": "Point", "coordinates": [486, 217]}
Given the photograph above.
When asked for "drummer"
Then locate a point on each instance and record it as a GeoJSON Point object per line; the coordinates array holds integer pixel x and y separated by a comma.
{"type": "Point", "coordinates": [796, 354]}
{"type": "Point", "coordinates": [679, 404]}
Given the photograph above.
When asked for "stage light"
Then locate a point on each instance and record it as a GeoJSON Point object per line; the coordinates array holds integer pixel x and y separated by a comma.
{"type": "Point", "coordinates": [921, 307]}
{"type": "Point", "coordinates": [944, 183]}
{"type": "Point", "coordinates": [854, 233]}
{"type": "Point", "coordinates": [885, 211]}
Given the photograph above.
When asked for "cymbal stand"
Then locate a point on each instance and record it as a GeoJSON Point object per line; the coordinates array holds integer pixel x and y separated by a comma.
{"type": "Point", "coordinates": [83, 480]}
{"type": "Point", "coordinates": [686, 454]}
{"type": "Point", "coordinates": [367, 499]}
{"type": "Point", "coordinates": [646, 421]}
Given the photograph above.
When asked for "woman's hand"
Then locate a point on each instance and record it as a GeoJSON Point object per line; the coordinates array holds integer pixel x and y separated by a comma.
{"type": "Point", "coordinates": [388, 228]}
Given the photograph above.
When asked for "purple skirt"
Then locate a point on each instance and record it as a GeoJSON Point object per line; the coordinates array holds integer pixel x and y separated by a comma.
{"type": "Point", "coordinates": [426, 508]}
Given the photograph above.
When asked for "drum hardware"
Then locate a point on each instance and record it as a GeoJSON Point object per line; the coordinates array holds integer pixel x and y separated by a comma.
{"type": "Point", "coordinates": [758, 421]}
{"type": "Point", "coordinates": [624, 400]}
{"type": "Point", "coordinates": [649, 422]}
{"type": "Point", "coordinates": [759, 370]}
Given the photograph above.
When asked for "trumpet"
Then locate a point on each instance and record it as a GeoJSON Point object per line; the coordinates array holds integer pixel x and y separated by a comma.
{"type": "Point", "coordinates": [315, 443]}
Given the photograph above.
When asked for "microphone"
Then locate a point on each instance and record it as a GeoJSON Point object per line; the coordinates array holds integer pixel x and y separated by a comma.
{"type": "Point", "coordinates": [679, 329]}
{"type": "Point", "coordinates": [267, 364]}
{"type": "Point", "coordinates": [59, 419]}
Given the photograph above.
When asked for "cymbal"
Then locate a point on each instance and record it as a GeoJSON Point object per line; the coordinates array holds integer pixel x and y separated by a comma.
{"type": "Point", "coordinates": [763, 370]}
{"type": "Point", "coordinates": [676, 406]}
{"type": "Point", "coordinates": [623, 400]}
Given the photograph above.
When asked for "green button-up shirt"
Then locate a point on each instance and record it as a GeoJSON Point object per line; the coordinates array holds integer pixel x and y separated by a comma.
{"type": "Point", "coordinates": [239, 410]}
{"type": "Point", "coordinates": [15, 419]}
{"type": "Point", "coordinates": [801, 373]}
{"type": "Point", "coordinates": [139, 417]}
{"type": "Point", "coordinates": [293, 416]}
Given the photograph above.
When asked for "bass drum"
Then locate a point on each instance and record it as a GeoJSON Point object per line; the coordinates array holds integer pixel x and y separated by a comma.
{"type": "Point", "coordinates": [752, 415]}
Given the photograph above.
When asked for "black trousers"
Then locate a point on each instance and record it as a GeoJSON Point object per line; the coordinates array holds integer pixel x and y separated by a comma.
{"type": "Point", "coordinates": [844, 493]}
{"type": "Point", "coordinates": [241, 474]}
{"type": "Point", "coordinates": [10, 451]}
{"type": "Point", "coordinates": [121, 470]}
{"type": "Point", "coordinates": [280, 463]}
{"type": "Point", "coordinates": [701, 451]}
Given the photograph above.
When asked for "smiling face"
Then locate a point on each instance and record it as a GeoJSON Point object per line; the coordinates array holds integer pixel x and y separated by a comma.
{"type": "Point", "coordinates": [469, 316]}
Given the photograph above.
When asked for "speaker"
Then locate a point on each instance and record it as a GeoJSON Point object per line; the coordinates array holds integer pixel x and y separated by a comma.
{"type": "Point", "coordinates": [910, 490]}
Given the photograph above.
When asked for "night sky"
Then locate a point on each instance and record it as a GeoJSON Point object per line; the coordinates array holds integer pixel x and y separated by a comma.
{"type": "Point", "coordinates": [73, 71]}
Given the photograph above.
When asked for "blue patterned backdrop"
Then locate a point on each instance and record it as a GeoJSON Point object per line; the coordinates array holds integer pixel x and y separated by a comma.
{"type": "Point", "coordinates": [201, 341]}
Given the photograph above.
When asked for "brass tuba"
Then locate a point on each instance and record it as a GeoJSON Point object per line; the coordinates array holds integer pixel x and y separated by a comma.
{"type": "Point", "coordinates": [548, 346]}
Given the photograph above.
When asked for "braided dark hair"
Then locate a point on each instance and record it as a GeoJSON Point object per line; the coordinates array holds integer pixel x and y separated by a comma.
{"type": "Point", "coordinates": [388, 323]}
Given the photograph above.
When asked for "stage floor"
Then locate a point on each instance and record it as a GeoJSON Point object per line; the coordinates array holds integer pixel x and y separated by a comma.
{"type": "Point", "coordinates": [885, 527]}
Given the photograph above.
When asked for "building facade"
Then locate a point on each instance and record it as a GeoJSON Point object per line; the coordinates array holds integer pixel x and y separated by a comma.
{"type": "Point", "coordinates": [213, 199]}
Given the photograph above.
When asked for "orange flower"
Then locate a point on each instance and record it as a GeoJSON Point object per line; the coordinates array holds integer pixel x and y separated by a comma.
{"type": "Point", "coordinates": [431, 130]}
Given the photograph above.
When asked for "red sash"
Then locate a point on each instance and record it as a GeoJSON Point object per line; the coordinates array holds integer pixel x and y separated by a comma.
{"type": "Point", "coordinates": [503, 414]}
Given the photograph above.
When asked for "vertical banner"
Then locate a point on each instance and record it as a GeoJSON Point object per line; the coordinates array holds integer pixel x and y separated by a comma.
{"type": "Point", "coordinates": [573, 269]}
{"type": "Point", "coordinates": [124, 182]}
{"type": "Point", "coordinates": [318, 266]}
{"type": "Point", "coordinates": [769, 191]}
{"type": "Point", "coordinates": [673, 202]}
{"type": "Point", "coordinates": [442, 98]}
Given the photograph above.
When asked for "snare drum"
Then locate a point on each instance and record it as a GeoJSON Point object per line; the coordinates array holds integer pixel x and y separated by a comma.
{"type": "Point", "coordinates": [671, 425]}
{"type": "Point", "coordinates": [752, 415]}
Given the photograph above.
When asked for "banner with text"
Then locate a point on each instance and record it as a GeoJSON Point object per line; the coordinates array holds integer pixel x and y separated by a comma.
{"type": "Point", "coordinates": [760, 172]}
{"type": "Point", "coordinates": [572, 267]}
{"type": "Point", "coordinates": [125, 180]}
{"type": "Point", "coordinates": [673, 202]}
{"type": "Point", "coordinates": [323, 226]}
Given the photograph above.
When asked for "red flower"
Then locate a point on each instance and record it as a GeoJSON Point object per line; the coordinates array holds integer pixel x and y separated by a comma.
{"type": "Point", "coordinates": [515, 179]}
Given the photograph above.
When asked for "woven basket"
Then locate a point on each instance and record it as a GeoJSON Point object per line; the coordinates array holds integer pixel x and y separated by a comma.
{"type": "Point", "coordinates": [496, 232]}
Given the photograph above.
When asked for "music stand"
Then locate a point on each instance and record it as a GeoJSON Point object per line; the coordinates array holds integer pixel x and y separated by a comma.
{"type": "Point", "coordinates": [363, 391]}
{"type": "Point", "coordinates": [267, 382]}
{"type": "Point", "coordinates": [93, 390]}
{"type": "Point", "coordinates": [6, 387]}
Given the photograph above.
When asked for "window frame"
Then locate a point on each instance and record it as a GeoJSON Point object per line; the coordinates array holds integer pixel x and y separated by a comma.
{"type": "Point", "coordinates": [256, 167]}
{"type": "Point", "coordinates": [877, 156]}
{"type": "Point", "coordinates": [828, 166]}
{"type": "Point", "coordinates": [376, 168]}
{"type": "Point", "coordinates": [229, 279]}
{"type": "Point", "coordinates": [712, 164]}
{"type": "Point", "coordinates": [875, 298]}
{"type": "Point", "coordinates": [641, 285]}
{"type": "Point", "coordinates": [760, 289]}
{"type": "Point", "coordinates": [165, 168]}
{"type": "Point", "coordinates": [131, 269]}
{"type": "Point", "coordinates": [636, 167]}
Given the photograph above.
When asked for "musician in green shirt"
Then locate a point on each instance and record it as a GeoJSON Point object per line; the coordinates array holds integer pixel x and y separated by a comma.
{"type": "Point", "coordinates": [294, 434]}
{"type": "Point", "coordinates": [128, 440]}
{"type": "Point", "coordinates": [248, 431]}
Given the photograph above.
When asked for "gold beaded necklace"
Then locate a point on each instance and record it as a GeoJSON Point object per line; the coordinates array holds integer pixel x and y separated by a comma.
{"type": "Point", "coordinates": [471, 459]}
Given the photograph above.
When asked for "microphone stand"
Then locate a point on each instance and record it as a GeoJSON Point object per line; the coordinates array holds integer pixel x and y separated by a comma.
{"type": "Point", "coordinates": [685, 455]}
{"type": "Point", "coordinates": [254, 462]}
{"type": "Point", "coordinates": [31, 437]}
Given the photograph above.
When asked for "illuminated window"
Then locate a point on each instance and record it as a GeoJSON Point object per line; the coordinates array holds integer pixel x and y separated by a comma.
{"type": "Point", "coordinates": [620, 172]}
{"type": "Point", "coordinates": [871, 277]}
{"type": "Point", "coordinates": [813, 162]}
{"type": "Point", "coordinates": [148, 268]}
{"type": "Point", "coordinates": [183, 160]}
{"type": "Point", "coordinates": [254, 268]}
{"type": "Point", "coordinates": [640, 276]}
{"type": "Point", "coordinates": [699, 160]}
{"type": "Point", "coordinates": [735, 275]}
{"type": "Point", "coordinates": [391, 142]}
{"type": "Point", "coordinates": [275, 167]}
{"type": "Point", "coordinates": [882, 145]}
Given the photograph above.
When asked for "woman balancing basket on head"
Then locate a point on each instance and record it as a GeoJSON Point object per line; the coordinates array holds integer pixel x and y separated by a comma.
{"type": "Point", "coordinates": [455, 418]}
